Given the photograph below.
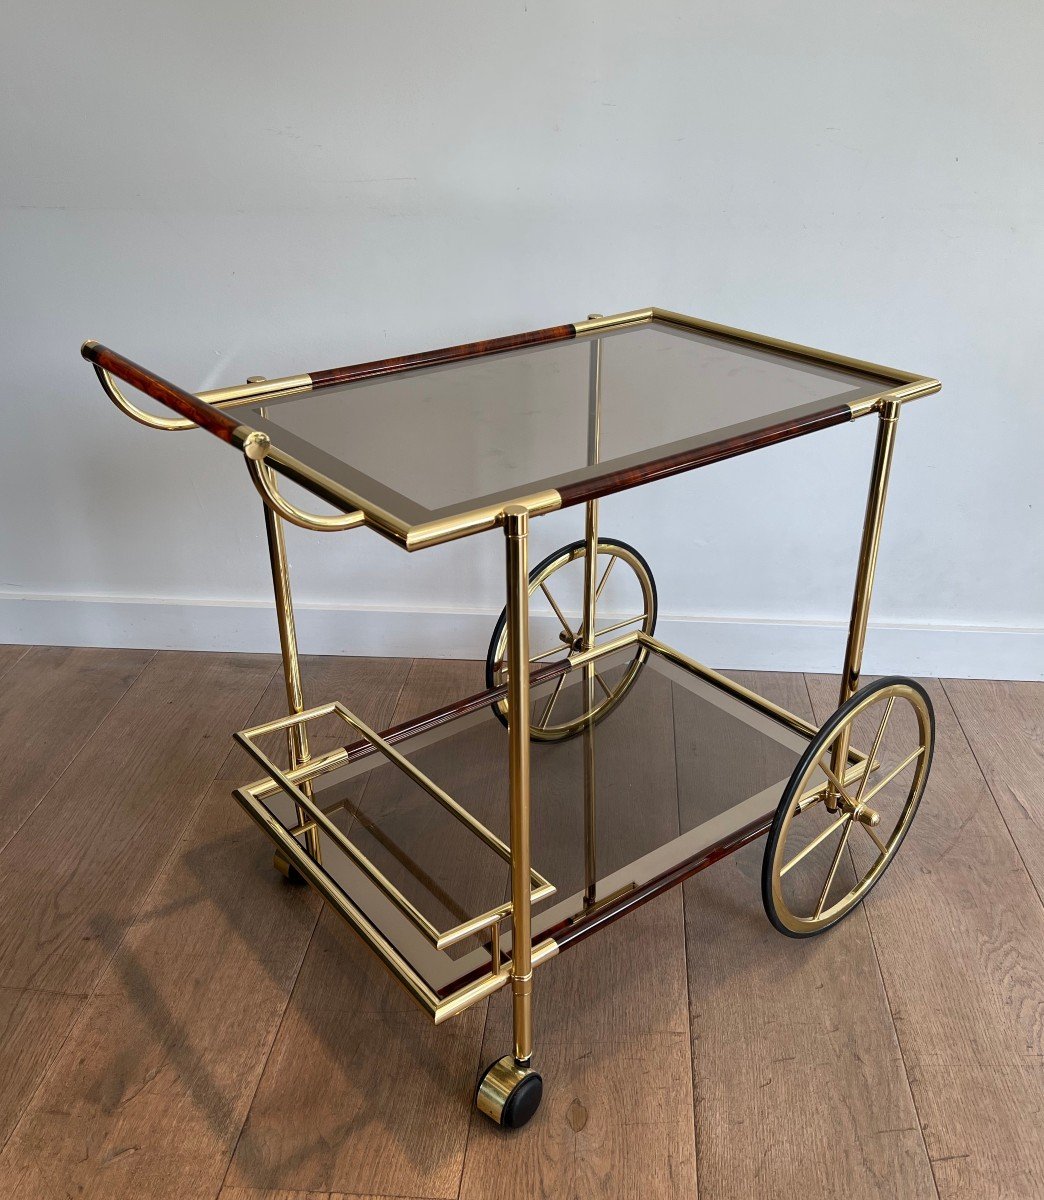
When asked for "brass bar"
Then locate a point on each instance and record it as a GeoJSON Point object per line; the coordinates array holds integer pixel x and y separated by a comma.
{"type": "Point", "coordinates": [234, 397]}
{"type": "Point", "coordinates": [447, 529]}
{"type": "Point", "coordinates": [494, 947]}
{"type": "Point", "coordinates": [589, 620]}
{"type": "Point", "coordinates": [256, 448]}
{"type": "Point", "coordinates": [730, 685]}
{"type": "Point", "coordinates": [516, 531]}
{"type": "Point", "coordinates": [425, 996]}
{"type": "Point", "coordinates": [475, 925]}
{"type": "Point", "coordinates": [917, 385]}
{"type": "Point", "coordinates": [871, 540]}
{"type": "Point", "coordinates": [583, 657]}
{"type": "Point", "coordinates": [296, 735]}
{"type": "Point", "coordinates": [472, 993]}
{"type": "Point", "coordinates": [319, 819]}
{"type": "Point", "coordinates": [594, 432]}
{"type": "Point", "coordinates": [440, 1008]}
{"type": "Point", "coordinates": [256, 389]}
{"type": "Point", "coordinates": [286, 780]}
{"type": "Point", "coordinates": [600, 324]}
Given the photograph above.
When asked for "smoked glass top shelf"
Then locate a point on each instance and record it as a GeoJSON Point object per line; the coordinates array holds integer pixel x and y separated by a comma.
{"type": "Point", "coordinates": [432, 446]}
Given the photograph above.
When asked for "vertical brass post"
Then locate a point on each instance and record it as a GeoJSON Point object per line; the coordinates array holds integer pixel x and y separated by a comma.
{"type": "Point", "coordinates": [297, 736]}
{"type": "Point", "coordinates": [594, 431]}
{"type": "Point", "coordinates": [516, 530]}
{"type": "Point", "coordinates": [594, 434]}
{"type": "Point", "coordinates": [868, 548]}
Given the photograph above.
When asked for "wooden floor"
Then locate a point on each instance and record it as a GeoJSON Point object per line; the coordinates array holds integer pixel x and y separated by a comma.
{"type": "Point", "coordinates": [177, 1022]}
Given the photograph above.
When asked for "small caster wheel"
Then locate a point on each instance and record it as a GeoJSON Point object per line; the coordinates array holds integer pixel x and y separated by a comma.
{"type": "Point", "coordinates": [509, 1093]}
{"type": "Point", "coordinates": [289, 872]}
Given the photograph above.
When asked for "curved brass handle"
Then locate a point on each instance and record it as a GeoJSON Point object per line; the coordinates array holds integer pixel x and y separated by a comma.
{"type": "Point", "coordinates": [252, 392]}
{"type": "Point", "coordinates": [255, 448]}
{"type": "Point", "coordinates": [138, 414]}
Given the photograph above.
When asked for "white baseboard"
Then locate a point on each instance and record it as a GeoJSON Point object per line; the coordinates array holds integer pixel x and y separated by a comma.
{"type": "Point", "coordinates": [976, 652]}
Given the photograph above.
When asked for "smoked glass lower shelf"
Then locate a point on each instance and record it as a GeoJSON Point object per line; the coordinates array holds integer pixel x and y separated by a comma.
{"type": "Point", "coordinates": [683, 769]}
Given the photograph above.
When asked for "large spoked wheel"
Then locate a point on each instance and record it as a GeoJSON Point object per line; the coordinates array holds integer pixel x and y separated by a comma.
{"type": "Point", "coordinates": [832, 838]}
{"type": "Point", "coordinates": [556, 586]}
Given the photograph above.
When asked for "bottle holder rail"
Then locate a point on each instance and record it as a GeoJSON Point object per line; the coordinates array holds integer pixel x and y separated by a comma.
{"type": "Point", "coordinates": [295, 783]}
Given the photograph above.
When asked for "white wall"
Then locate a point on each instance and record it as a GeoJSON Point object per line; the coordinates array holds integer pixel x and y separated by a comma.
{"type": "Point", "coordinates": [255, 188]}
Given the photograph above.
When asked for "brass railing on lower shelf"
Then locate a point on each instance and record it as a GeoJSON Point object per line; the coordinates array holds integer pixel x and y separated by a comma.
{"type": "Point", "coordinates": [294, 783]}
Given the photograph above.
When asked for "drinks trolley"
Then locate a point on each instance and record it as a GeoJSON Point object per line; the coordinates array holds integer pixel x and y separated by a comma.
{"type": "Point", "coordinates": [470, 845]}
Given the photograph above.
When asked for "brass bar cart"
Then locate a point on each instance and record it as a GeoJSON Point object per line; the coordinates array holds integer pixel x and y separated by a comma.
{"type": "Point", "coordinates": [599, 766]}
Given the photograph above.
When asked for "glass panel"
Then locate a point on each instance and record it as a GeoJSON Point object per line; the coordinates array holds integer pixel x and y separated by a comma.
{"type": "Point", "coordinates": [679, 765]}
{"type": "Point", "coordinates": [450, 436]}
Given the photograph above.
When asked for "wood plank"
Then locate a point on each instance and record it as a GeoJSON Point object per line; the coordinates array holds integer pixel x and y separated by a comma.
{"type": "Point", "coordinates": [10, 654]}
{"type": "Point", "coordinates": [32, 1025]}
{"type": "Point", "coordinates": [800, 1085]}
{"type": "Point", "coordinates": [959, 933]}
{"type": "Point", "coordinates": [369, 687]}
{"type": "Point", "coordinates": [240, 1193]}
{"type": "Point", "coordinates": [616, 1121]}
{"type": "Point", "coordinates": [74, 874]}
{"type": "Point", "coordinates": [361, 1092]}
{"type": "Point", "coordinates": [157, 1076]}
{"type": "Point", "coordinates": [52, 700]}
{"type": "Point", "coordinates": [1010, 752]}
{"type": "Point", "coordinates": [149, 1092]}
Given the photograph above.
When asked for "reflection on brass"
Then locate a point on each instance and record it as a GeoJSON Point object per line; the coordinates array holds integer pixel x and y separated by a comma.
{"type": "Point", "coordinates": [440, 1008]}
{"type": "Point", "coordinates": [295, 785]}
{"type": "Point", "coordinates": [911, 385]}
{"type": "Point", "coordinates": [516, 536]}
{"type": "Point", "coordinates": [497, 1085]}
{"type": "Point", "coordinates": [297, 734]}
{"type": "Point", "coordinates": [599, 324]}
{"type": "Point", "coordinates": [234, 397]}
{"type": "Point", "coordinates": [264, 480]}
{"type": "Point", "coordinates": [867, 565]}
{"type": "Point", "coordinates": [592, 904]}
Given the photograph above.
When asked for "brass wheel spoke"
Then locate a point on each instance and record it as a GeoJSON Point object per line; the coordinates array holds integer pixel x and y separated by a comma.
{"type": "Point", "coordinates": [620, 625]}
{"type": "Point", "coordinates": [558, 612]}
{"type": "Point", "coordinates": [892, 774]}
{"type": "Point", "coordinates": [816, 841]}
{"type": "Point", "coordinates": [605, 576]}
{"type": "Point", "coordinates": [601, 682]}
{"type": "Point", "coordinates": [828, 772]}
{"type": "Point", "coordinates": [551, 701]}
{"type": "Point", "coordinates": [872, 756]}
{"type": "Point", "coordinates": [876, 836]}
{"type": "Point", "coordinates": [598, 591]}
{"type": "Point", "coordinates": [547, 653]}
{"type": "Point", "coordinates": [833, 870]}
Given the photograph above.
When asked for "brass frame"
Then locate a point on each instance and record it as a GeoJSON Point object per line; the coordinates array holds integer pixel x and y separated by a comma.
{"type": "Point", "coordinates": [898, 386]}
{"type": "Point", "coordinates": [263, 459]}
{"type": "Point", "coordinates": [312, 819]}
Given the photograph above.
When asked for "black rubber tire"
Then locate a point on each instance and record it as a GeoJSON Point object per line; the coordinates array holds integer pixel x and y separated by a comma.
{"type": "Point", "coordinates": [498, 628]}
{"type": "Point", "coordinates": [811, 754]}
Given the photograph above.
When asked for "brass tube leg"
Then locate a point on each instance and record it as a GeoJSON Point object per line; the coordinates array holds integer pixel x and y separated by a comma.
{"type": "Point", "coordinates": [297, 737]}
{"type": "Point", "coordinates": [588, 620]}
{"type": "Point", "coordinates": [516, 529]}
{"type": "Point", "coordinates": [871, 541]}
